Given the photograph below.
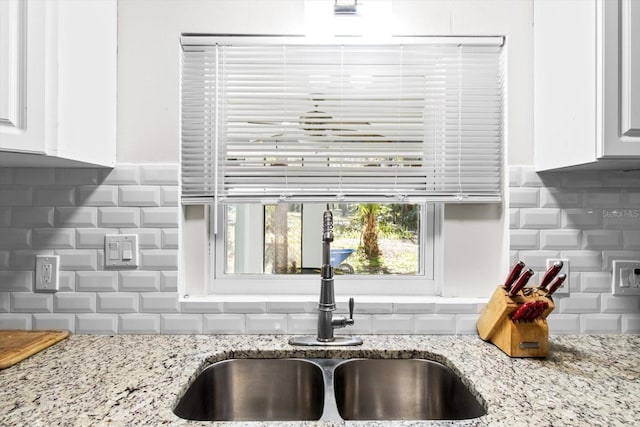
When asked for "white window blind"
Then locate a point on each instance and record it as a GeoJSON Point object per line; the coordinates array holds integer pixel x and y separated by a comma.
{"type": "Point", "coordinates": [298, 122]}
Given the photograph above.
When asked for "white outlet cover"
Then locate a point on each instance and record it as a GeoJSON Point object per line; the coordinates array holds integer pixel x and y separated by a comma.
{"type": "Point", "coordinates": [47, 274]}
{"type": "Point", "coordinates": [623, 279]}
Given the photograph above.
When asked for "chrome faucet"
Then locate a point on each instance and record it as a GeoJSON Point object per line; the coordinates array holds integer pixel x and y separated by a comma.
{"type": "Point", "coordinates": [327, 304]}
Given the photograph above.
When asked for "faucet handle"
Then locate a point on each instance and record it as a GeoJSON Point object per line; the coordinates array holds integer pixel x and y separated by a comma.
{"type": "Point", "coordinates": [351, 304]}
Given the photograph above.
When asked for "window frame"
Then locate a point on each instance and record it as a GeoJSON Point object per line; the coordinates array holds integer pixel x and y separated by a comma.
{"type": "Point", "coordinates": [426, 284]}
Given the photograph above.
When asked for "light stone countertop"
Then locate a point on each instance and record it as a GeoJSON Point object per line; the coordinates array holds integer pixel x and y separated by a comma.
{"type": "Point", "coordinates": [135, 379]}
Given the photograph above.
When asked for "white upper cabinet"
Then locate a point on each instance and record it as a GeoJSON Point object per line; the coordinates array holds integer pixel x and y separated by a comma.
{"type": "Point", "coordinates": [58, 70]}
{"type": "Point", "coordinates": [623, 23]}
{"type": "Point", "coordinates": [587, 84]}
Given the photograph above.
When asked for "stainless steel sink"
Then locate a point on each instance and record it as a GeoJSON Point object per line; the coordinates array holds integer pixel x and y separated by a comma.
{"type": "Point", "coordinates": [255, 390]}
{"type": "Point", "coordinates": [328, 390]}
{"type": "Point", "coordinates": [402, 389]}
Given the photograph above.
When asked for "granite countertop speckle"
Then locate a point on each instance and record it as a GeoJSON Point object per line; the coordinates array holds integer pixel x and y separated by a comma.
{"type": "Point", "coordinates": [136, 379]}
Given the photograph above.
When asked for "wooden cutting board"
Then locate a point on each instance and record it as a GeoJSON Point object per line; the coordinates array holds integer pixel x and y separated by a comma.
{"type": "Point", "coordinates": [18, 345]}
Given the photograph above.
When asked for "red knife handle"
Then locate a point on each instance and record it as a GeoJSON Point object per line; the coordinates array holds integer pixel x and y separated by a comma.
{"type": "Point", "coordinates": [522, 312]}
{"type": "Point", "coordinates": [521, 282]}
{"type": "Point", "coordinates": [540, 307]}
{"type": "Point", "coordinates": [556, 284]}
{"type": "Point", "coordinates": [517, 315]}
{"type": "Point", "coordinates": [550, 274]}
{"type": "Point", "coordinates": [544, 306]}
{"type": "Point", "coordinates": [530, 313]}
{"type": "Point", "coordinates": [513, 275]}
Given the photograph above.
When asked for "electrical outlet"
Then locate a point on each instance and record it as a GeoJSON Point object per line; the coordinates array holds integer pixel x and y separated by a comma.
{"type": "Point", "coordinates": [47, 275]}
{"type": "Point", "coordinates": [564, 289]}
{"type": "Point", "coordinates": [625, 278]}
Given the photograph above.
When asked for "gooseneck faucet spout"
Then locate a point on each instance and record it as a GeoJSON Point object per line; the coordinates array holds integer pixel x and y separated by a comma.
{"type": "Point", "coordinates": [327, 304]}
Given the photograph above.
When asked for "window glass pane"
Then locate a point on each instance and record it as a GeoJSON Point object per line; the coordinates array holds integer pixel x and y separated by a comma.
{"type": "Point", "coordinates": [230, 234]}
{"type": "Point", "coordinates": [385, 238]}
{"type": "Point", "coordinates": [282, 238]}
{"type": "Point", "coordinates": [369, 239]}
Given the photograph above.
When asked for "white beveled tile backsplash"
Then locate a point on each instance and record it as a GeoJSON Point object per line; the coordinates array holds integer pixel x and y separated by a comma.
{"type": "Point", "coordinates": [590, 218]}
{"type": "Point", "coordinates": [67, 212]}
{"type": "Point", "coordinates": [586, 217]}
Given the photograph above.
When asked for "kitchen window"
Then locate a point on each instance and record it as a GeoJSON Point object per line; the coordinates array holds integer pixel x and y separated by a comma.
{"type": "Point", "coordinates": [378, 248]}
{"type": "Point", "coordinates": [274, 129]}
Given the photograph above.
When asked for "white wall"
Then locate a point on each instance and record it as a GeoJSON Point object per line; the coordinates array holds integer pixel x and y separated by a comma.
{"type": "Point", "coordinates": [476, 246]}
{"type": "Point", "coordinates": [149, 61]}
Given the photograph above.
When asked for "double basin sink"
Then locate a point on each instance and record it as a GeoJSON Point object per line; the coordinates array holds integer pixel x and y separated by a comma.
{"type": "Point", "coordinates": [327, 389]}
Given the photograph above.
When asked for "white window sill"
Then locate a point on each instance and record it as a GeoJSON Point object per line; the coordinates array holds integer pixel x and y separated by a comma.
{"type": "Point", "coordinates": [369, 304]}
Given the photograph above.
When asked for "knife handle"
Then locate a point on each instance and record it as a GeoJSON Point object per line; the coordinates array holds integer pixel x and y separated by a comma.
{"type": "Point", "coordinates": [521, 282]}
{"type": "Point", "coordinates": [556, 284]}
{"type": "Point", "coordinates": [522, 312]}
{"type": "Point", "coordinates": [528, 313]}
{"type": "Point", "coordinates": [540, 307]}
{"type": "Point", "coordinates": [513, 275]}
{"type": "Point", "coordinates": [532, 313]}
{"type": "Point", "coordinates": [550, 274]}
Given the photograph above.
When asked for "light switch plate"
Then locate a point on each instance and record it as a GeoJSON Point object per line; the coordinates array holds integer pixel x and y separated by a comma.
{"type": "Point", "coordinates": [625, 281]}
{"type": "Point", "coordinates": [121, 250]}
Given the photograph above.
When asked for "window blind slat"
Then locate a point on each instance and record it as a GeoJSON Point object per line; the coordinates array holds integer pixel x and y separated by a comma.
{"type": "Point", "coordinates": [361, 122]}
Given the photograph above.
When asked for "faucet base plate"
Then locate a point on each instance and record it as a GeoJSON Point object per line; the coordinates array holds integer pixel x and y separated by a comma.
{"type": "Point", "coordinates": [338, 341]}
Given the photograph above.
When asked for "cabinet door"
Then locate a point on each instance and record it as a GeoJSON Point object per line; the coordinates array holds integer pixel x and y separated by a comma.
{"type": "Point", "coordinates": [12, 50]}
{"type": "Point", "coordinates": [621, 79]}
{"type": "Point", "coordinates": [630, 64]}
{"type": "Point", "coordinates": [21, 76]}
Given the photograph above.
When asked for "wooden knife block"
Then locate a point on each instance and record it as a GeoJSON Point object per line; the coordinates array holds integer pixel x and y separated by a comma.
{"type": "Point", "coordinates": [515, 339]}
